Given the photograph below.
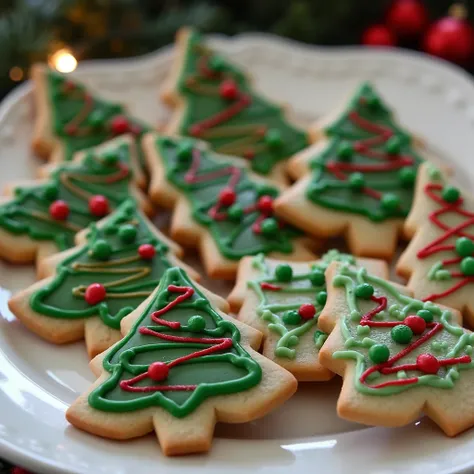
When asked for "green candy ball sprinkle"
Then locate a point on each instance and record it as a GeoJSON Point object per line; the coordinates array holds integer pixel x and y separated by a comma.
{"type": "Point", "coordinates": [235, 212]}
{"type": "Point", "coordinates": [373, 102]}
{"type": "Point", "coordinates": [269, 226]}
{"type": "Point", "coordinates": [196, 323]}
{"type": "Point", "coordinates": [184, 150]}
{"type": "Point", "coordinates": [109, 157]}
{"type": "Point", "coordinates": [317, 278]}
{"type": "Point", "coordinates": [292, 317]}
{"type": "Point", "coordinates": [379, 353]}
{"type": "Point", "coordinates": [217, 63]}
{"type": "Point", "coordinates": [322, 297]}
{"type": "Point", "coordinates": [127, 233]}
{"type": "Point", "coordinates": [401, 334]}
{"type": "Point", "coordinates": [407, 177]}
{"type": "Point", "coordinates": [101, 249]}
{"type": "Point", "coordinates": [450, 194]}
{"type": "Point", "coordinates": [273, 138]}
{"type": "Point", "coordinates": [345, 151]}
{"type": "Point", "coordinates": [201, 303]}
{"type": "Point", "coordinates": [464, 247]}
{"type": "Point", "coordinates": [393, 145]}
{"type": "Point", "coordinates": [426, 314]}
{"type": "Point", "coordinates": [390, 202]}
{"type": "Point", "coordinates": [283, 272]}
{"type": "Point", "coordinates": [51, 192]}
{"type": "Point", "coordinates": [364, 291]}
{"type": "Point", "coordinates": [467, 266]}
{"type": "Point", "coordinates": [265, 190]}
{"type": "Point", "coordinates": [356, 181]}
{"type": "Point", "coordinates": [96, 118]}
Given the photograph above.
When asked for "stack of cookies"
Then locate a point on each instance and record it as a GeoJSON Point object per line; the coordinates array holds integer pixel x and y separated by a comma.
{"type": "Point", "coordinates": [256, 195]}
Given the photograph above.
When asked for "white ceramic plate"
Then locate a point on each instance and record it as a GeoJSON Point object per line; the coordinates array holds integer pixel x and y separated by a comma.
{"type": "Point", "coordinates": [38, 381]}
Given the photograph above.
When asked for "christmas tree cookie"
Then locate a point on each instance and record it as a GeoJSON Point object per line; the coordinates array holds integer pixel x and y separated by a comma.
{"type": "Point", "coordinates": [439, 260]}
{"type": "Point", "coordinates": [398, 355]}
{"type": "Point", "coordinates": [219, 205]}
{"type": "Point", "coordinates": [181, 367]}
{"type": "Point", "coordinates": [42, 217]}
{"type": "Point", "coordinates": [89, 289]}
{"type": "Point", "coordinates": [360, 181]}
{"type": "Point", "coordinates": [70, 118]}
{"type": "Point", "coordinates": [216, 101]}
{"type": "Point", "coordinates": [283, 301]}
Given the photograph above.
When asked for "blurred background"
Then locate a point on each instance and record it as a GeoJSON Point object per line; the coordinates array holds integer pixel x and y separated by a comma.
{"type": "Point", "coordinates": [65, 32]}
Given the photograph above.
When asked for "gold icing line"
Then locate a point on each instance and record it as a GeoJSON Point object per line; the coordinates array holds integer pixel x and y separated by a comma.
{"type": "Point", "coordinates": [47, 218]}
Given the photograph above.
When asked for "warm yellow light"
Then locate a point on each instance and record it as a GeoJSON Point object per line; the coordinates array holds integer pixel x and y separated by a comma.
{"type": "Point", "coordinates": [16, 74]}
{"type": "Point", "coordinates": [63, 61]}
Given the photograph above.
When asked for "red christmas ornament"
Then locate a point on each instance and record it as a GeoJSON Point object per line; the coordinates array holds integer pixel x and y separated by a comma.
{"type": "Point", "coordinates": [416, 323]}
{"type": "Point", "coordinates": [407, 18]}
{"type": "Point", "coordinates": [95, 293]}
{"type": "Point", "coordinates": [146, 251]}
{"type": "Point", "coordinates": [228, 89]}
{"type": "Point", "coordinates": [265, 204]}
{"type": "Point", "coordinates": [19, 470]}
{"type": "Point", "coordinates": [120, 125]}
{"type": "Point", "coordinates": [158, 371]}
{"type": "Point", "coordinates": [428, 363]}
{"type": "Point", "coordinates": [378, 35]}
{"type": "Point", "coordinates": [307, 311]}
{"type": "Point", "coordinates": [99, 205]}
{"type": "Point", "coordinates": [451, 38]}
{"type": "Point", "coordinates": [59, 210]}
{"type": "Point", "coordinates": [227, 197]}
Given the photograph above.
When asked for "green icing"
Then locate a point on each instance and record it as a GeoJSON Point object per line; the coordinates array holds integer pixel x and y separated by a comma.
{"type": "Point", "coordinates": [377, 182]}
{"type": "Point", "coordinates": [299, 290]}
{"type": "Point", "coordinates": [128, 279]}
{"type": "Point", "coordinates": [259, 128]}
{"type": "Point", "coordinates": [450, 341]}
{"type": "Point", "coordinates": [72, 103]}
{"type": "Point", "coordinates": [222, 372]}
{"type": "Point", "coordinates": [28, 212]}
{"type": "Point", "coordinates": [234, 237]}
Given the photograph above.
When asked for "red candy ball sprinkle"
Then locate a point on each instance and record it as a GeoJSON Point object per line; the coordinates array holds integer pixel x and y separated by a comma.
{"type": "Point", "coordinates": [158, 371]}
{"type": "Point", "coordinates": [359, 147]}
{"type": "Point", "coordinates": [307, 311]}
{"type": "Point", "coordinates": [59, 210]}
{"type": "Point", "coordinates": [228, 89]}
{"type": "Point", "coordinates": [195, 130]}
{"type": "Point", "coordinates": [69, 86]}
{"type": "Point", "coordinates": [249, 154]}
{"type": "Point", "coordinates": [71, 129]}
{"type": "Point", "coordinates": [95, 293]}
{"type": "Point", "coordinates": [227, 197]}
{"type": "Point", "coordinates": [428, 363]}
{"type": "Point", "coordinates": [99, 205]}
{"type": "Point", "coordinates": [416, 323]}
{"type": "Point", "coordinates": [265, 204]}
{"type": "Point", "coordinates": [120, 125]}
{"type": "Point", "coordinates": [146, 251]}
